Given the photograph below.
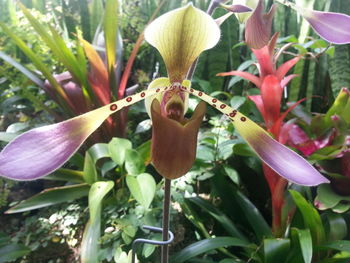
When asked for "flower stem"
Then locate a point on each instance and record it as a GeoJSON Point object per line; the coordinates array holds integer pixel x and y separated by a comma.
{"type": "Point", "coordinates": [166, 215]}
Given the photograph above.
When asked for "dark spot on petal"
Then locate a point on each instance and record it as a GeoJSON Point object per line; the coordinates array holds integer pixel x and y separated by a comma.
{"type": "Point", "coordinates": [158, 90]}
{"type": "Point", "coordinates": [243, 118]}
{"type": "Point", "coordinates": [128, 99]}
{"type": "Point", "coordinates": [143, 94]}
{"type": "Point", "coordinates": [222, 106]}
{"type": "Point", "coordinates": [200, 93]}
{"type": "Point", "coordinates": [214, 100]}
{"type": "Point", "coordinates": [113, 107]}
{"type": "Point", "coordinates": [191, 90]}
{"type": "Point", "coordinates": [233, 114]}
{"type": "Point", "coordinates": [214, 105]}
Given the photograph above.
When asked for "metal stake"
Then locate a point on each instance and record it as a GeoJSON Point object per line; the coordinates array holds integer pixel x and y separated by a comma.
{"type": "Point", "coordinates": [168, 236]}
{"type": "Point", "coordinates": [166, 215]}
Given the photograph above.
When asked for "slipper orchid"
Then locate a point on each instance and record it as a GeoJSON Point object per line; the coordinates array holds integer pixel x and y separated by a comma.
{"type": "Point", "coordinates": [180, 36]}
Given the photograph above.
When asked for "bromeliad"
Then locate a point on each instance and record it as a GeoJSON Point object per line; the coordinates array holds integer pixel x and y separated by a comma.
{"type": "Point", "coordinates": [271, 82]}
{"type": "Point", "coordinates": [180, 36]}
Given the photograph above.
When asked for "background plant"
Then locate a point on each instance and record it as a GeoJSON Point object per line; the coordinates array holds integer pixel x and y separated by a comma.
{"type": "Point", "coordinates": [237, 171]}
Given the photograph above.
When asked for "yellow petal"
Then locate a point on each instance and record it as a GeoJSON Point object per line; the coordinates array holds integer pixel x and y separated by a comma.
{"type": "Point", "coordinates": [180, 36]}
{"type": "Point", "coordinates": [162, 83]}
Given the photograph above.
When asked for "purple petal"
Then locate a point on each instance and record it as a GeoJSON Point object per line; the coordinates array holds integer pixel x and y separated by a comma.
{"type": "Point", "coordinates": [40, 151]}
{"type": "Point", "coordinates": [238, 8]}
{"type": "Point", "coordinates": [281, 159]}
{"type": "Point", "coordinates": [333, 27]}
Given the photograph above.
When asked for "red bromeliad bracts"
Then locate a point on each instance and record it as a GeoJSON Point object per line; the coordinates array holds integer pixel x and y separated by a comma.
{"type": "Point", "coordinates": [271, 81]}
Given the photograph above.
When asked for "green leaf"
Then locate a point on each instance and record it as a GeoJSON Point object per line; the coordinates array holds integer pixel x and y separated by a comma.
{"type": "Point", "coordinates": [7, 136]}
{"type": "Point", "coordinates": [66, 56]}
{"type": "Point", "coordinates": [337, 227]}
{"type": "Point", "coordinates": [12, 252]}
{"type": "Point", "coordinates": [96, 10]}
{"type": "Point", "coordinates": [29, 74]}
{"type": "Point", "coordinates": [89, 244]}
{"type": "Point", "coordinates": [340, 68]}
{"type": "Point", "coordinates": [275, 249]}
{"type": "Point", "coordinates": [133, 162]}
{"type": "Point", "coordinates": [327, 197]}
{"type": "Point", "coordinates": [243, 149]}
{"type": "Point", "coordinates": [231, 173]}
{"type": "Point", "coordinates": [96, 194]}
{"type": "Point", "coordinates": [91, 236]}
{"type": "Point", "coordinates": [58, 47]}
{"type": "Point", "coordinates": [205, 153]}
{"type": "Point", "coordinates": [90, 172]}
{"type": "Point", "coordinates": [237, 101]}
{"type": "Point", "coordinates": [145, 151]}
{"type": "Point", "coordinates": [252, 215]}
{"type": "Point", "coordinates": [110, 26]}
{"type": "Point", "coordinates": [148, 250]}
{"type": "Point", "coordinates": [206, 245]}
{"type": "Point", "coordinates": [312, 219]}
{"type": "Point", "coordinates": [35, 60]}
{"type": "Point", "coordinates": [99, 151]}
{"type": "Point", "coordinates": [66, 175]}
{"type": "Point", "coordinates": [341, 245]}
{"type": "Point", "coordinates": [4, 239]}
{"type": "Point", "coordinates": [224, 221]}
{"type": "Point", "coordinates": [96, 152]}
{"type": "Point", "coordinates": [117, 148]}
{"type": "Point", "coordinates": [142, 188]}
{"type": "Point", "coordinates": [51, 196]}
{"type": "Point", "coordinates": [305, 243]}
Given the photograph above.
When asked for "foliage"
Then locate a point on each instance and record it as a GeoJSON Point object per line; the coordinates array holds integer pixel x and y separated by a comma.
{"type": "Point", "coordinates": [221, 209]}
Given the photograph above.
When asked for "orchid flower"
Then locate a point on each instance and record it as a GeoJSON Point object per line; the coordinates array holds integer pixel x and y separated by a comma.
{"type": "Point", "coordinates": [180, 36]}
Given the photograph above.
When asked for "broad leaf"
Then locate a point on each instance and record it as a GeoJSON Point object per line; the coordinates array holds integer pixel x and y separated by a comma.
{"type": "Point", "coordinates": [312, 219]}
{"type": "Point", "coordinates": [275, 249]}
{"type": "Point", "coordinates": [305, 243]}
{"type": "Point", "coordinates": [142, 187]}
{"type": "Point", "coordinates": [133, 162]}
{"type": "Point", "coordinates": [90, 243]}
{"type": "Point", "coordinates": [51, 196]}
{"type": "Point", "coordinates": [117, 148]}
{"type": "Point", "coordinates": [68, 175]}
{"type": "Point", "coordinates": [206, 245]}
{"type": "Point", "coordinates": [12, 252]}
{"type": "Point", "coordinates": [223, 220]}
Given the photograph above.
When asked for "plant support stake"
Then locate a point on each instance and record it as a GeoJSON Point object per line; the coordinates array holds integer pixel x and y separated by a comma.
{"type": "Point", "coordinates": [168, 236]}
